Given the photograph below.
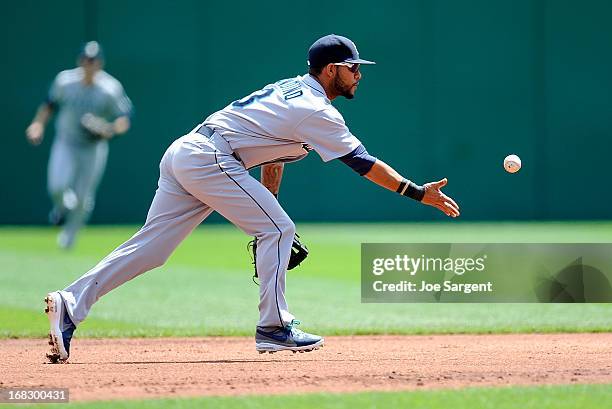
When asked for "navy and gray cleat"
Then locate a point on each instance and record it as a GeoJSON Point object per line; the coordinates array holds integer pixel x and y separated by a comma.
{"type": "Point", "coordinates": [61, 328]}
{"type": "Point", "coordinates": [289, 338]}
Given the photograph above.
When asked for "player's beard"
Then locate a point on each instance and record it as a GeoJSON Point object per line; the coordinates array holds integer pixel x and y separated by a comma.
{"type": "Point", "coordinates": [342, 88]}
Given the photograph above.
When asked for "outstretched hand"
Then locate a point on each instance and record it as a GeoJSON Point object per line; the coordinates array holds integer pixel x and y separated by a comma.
{"type": "Point", "coordinates": [434, 197]}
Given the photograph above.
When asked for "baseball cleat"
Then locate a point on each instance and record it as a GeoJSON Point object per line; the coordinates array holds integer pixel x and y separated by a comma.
{"type": "Point", "coordinates": [276, 339]}
{"type": "Point", "coordinates": [61, 328]}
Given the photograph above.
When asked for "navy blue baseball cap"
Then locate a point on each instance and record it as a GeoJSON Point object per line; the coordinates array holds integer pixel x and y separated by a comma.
{"type": "Point", "coordinates": [92, 50]}
{"type": "Point", "coordinates": [334, 49]}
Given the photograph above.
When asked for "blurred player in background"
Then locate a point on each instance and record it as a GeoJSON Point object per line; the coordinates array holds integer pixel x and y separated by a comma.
{"type": "Point", "coordinates": [92, 108]}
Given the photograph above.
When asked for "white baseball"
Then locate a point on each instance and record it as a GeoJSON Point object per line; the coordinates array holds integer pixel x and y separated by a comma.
{"type": "Point", "coordinates": [512, 163]}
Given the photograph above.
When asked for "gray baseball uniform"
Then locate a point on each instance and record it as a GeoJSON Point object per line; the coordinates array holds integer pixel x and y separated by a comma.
{"type": "Point", "coordinates": [78, 158]}
{"type": "Point", "coordinates": [206, 170]}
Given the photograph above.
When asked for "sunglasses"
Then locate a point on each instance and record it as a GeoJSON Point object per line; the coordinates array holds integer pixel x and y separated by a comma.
{"type": "Point", "coordinates": [352, 67]}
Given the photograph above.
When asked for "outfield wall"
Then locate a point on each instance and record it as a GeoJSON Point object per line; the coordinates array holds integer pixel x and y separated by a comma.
{"type": "Point", "coordinates": [458, 86]}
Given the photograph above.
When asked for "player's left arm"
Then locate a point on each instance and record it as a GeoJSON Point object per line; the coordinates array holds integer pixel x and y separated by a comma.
{"type": "Point", "coordinates": [121, 109]}
{"type": "Point", "coordinates": [121, 125]}
{"type": "Point", "coordinates": [271, 176]}
{"type": "Point", "coordinates": [104, 129]}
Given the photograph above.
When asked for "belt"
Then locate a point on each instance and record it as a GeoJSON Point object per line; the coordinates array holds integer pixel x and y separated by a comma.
{"type": "Point", "coordinates": [208, 132]}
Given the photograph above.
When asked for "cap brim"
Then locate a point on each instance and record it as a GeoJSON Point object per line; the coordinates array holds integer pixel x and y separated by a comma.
{"type": "Point", "coordinates": [359, 61]}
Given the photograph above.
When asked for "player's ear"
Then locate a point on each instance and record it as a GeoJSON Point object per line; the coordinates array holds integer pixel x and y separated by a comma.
{"type": "Point", "coordinates": [329, 70]}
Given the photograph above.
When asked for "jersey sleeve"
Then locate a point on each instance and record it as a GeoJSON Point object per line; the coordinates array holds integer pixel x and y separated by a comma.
{"type": "Point", "coordinates": [120, 103]}
{"type": "Point", "coordinates": [326, 132]}
{"type": "Point", "coordinates": [54, 96]}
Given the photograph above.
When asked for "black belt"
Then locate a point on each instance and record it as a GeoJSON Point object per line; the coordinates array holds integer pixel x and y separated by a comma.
{"type": "Point", "coordinates": [208, 132]}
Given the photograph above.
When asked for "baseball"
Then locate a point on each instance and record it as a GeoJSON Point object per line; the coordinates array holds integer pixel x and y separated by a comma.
{"type": "Point", "coordinates": [512, 163]}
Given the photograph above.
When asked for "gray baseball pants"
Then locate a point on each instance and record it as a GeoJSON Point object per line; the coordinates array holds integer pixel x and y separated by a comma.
{"type": "Point", "coordinates": [198, 175]}
{"type": "Point", "coordinates": [75, 170]}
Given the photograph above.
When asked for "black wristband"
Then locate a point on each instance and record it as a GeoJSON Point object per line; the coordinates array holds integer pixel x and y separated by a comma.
{"type": "Point", "coordinates": [414, 191]}
{"type": "Point", "coordinates": [402, 186]}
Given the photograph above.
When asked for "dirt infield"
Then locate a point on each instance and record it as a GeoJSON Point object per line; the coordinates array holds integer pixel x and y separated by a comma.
{"type": "Point", "coordinates": [171, 367]}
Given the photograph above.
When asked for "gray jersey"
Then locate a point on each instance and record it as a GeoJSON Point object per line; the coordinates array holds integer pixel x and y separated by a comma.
{"type": "Point", "coordinates": [282, 122]}
{"type": "Point", "coordinates": [104, 98]}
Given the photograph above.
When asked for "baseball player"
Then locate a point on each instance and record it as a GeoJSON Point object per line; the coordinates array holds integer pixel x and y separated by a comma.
{"type": "Point", "coordinates": [92, 108]}
{"type": "Point", "coordinates": [206, 171]}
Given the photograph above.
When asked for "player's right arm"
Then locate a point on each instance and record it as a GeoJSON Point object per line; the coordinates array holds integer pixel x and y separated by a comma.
{"type": "Point", "coordinates": [429, 194]}
{"type": "Point", "coordinates": [384, 175]}
{"type": "Point", "coordinates": [328, 134]}
{"type": "Point", "coordinates": [36, 129]}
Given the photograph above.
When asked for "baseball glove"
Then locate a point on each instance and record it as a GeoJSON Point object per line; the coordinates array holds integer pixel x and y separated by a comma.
{"type": "Point", "coordinates": [98, 128]}
{"type": "Point", "coordinates": [299, 252]}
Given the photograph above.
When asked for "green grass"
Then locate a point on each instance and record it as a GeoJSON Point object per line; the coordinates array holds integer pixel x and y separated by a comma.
{"type": "Point", "coordinates": [206, 289]}
{"type": "Point", "coordinates": [546, 397]}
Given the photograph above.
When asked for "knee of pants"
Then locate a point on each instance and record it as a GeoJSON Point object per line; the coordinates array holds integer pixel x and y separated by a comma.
{"type": "Point", "coordinates": [57, 186]}
{"type": "Point", "coordinates": [87, 203]}
{"type": "Point", "coordinates": [288, 228]}
{"type": "Point", "coordinates": [284, 226]}
{"type": "Point", "coordinates": [157, 260]}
